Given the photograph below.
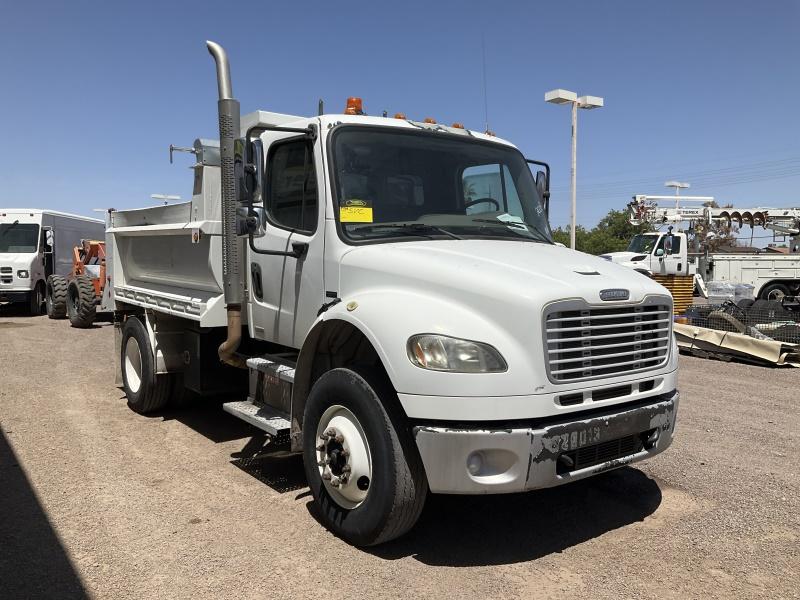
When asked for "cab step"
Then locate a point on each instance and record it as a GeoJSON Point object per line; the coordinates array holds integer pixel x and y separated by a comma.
{"type": "Point", "coordinates": [266, 418]}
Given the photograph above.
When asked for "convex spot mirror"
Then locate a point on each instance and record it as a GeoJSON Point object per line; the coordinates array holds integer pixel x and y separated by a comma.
{"type": "Point", "coordinates": [660, 252]}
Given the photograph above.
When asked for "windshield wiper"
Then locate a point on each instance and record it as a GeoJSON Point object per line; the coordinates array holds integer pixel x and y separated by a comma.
{"type": "Point", "coordinates": [410, 229]}
{"type": "Point", "coordinates": [541, 236]}
{"type": "Point", "coordinates": [10, 227]}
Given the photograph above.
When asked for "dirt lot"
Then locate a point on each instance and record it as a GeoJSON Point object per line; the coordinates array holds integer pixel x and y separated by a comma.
{"type": "Point", "coordinates": [98, 501]}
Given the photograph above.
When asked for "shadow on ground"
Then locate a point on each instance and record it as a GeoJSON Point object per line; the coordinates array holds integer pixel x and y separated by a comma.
{"type": "Point", "coordinates": [33, 562]}
{"type": "Point", "coordinates": [459, 531]}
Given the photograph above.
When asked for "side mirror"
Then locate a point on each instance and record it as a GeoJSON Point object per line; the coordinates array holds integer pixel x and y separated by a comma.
{"type": "Point", "coordinates": [48, 240]}
{"type": "Point", "coordinates": [542, 183]}
{"type": "Point", "coordinates": [668, 244]}
{"type": "Point", "coordinates": [660, 252]}
{"type": "Point", "coordinates": [247, 170]}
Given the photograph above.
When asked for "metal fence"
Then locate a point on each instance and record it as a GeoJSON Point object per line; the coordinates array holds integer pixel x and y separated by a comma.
{"type": "Point", "coordinates": [761, 319]}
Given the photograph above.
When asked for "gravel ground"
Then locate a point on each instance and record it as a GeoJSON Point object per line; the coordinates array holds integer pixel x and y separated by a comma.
{"type": "Point", "coordinates": [98, 501]}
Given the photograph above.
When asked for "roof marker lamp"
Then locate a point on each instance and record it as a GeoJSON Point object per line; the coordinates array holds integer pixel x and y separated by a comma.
{"type": "Point", "coordinates": [453, 355]}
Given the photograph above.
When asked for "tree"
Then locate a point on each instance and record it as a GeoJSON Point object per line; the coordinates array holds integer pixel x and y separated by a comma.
{"type": "Point", "coordinates": [612, 234]}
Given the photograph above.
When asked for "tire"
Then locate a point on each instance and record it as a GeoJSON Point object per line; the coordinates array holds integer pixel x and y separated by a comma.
{"type": "Point", "coordinates": [146, 391]}
{"type": "Point", "coordinates": [81, 307]}
{"type": "Point", "coordinates": [774, 291]}
{"type": "Point", "coordinates": [56, 297]}
{"type": "Point", "coordinates": [361, 409]}
{"type": "Point", "coordinates": [36, 299]}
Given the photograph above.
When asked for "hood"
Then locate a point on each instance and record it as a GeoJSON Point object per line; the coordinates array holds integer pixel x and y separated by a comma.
{"type": "Point", "coordinates": [504, 271]}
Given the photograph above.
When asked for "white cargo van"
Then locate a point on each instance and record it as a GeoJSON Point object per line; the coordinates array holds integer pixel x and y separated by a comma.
{"type": "Point", "coordinates": [35, 244]}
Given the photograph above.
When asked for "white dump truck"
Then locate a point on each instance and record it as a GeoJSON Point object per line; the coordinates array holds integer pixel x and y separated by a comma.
{"type": "Point", "coordinates": [36, 244]}
{"type": "Point", "coordinates": [390, 292]}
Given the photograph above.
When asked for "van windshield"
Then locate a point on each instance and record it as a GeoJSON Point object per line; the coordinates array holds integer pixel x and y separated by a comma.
{"type": "Point", "coordinates": [642, 244]}
{"type": "Point", "coordinates": [421, 184]}
{"type": "Point", "coordinates": [18, 237]}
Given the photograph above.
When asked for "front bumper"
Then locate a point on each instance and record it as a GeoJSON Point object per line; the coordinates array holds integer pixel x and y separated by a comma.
{"type": "Point", "coordinates": [494, 459]}
{"type": "Point", "coordinates": [14, 296]}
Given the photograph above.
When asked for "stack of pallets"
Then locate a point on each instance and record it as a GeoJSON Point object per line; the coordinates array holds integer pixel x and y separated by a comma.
{"type": "Point", "coordinates": [681, 287]}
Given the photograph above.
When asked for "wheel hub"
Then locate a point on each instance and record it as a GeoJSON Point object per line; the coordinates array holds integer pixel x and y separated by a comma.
{"type": "Point", "coordinates": [343, 457]}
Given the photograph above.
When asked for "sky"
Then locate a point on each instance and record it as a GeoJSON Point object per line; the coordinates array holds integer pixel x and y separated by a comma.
{"type": "Point", "coordinates": [93, 93]}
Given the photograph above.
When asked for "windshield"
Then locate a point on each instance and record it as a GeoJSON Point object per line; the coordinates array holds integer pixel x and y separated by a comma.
{"type": "Point", "coordinates": [392, 184]}
{"type": "Point", "coordinates": [642, 244]}
{"type": "Point", "coordinates": [18, 237]}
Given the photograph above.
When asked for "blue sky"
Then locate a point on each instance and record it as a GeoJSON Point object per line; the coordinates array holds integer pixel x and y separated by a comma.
{"type": "Point", "coordinates": [94, 92]}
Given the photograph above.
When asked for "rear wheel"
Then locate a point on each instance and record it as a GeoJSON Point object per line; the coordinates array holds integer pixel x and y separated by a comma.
{"type": "Point", "coordinates": [363, 468]}
{"type": "Point", "coordinates": [81, 307]}
{"type": "Point", "coordinates": [56, 298]}
{"type": "Point", "coordinates": [36, 299]}
{"type": "Point", "coordinates": [146, 391]}
{"type": "Point", "coordinates": [774, 291]}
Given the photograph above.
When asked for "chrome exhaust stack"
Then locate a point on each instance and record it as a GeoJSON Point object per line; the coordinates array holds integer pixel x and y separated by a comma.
{"type": "Point", "coordinates": [229, 131]}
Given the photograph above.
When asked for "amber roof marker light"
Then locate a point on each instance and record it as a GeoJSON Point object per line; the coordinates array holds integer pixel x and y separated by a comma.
{"type": "Point", "coordinates": [430, 120]}
{"type": "Point", "coordinates": [355, 106]}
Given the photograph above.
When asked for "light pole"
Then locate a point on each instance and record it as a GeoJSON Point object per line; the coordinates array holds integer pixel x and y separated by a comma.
{"type": "Point", "coordinates": [588, 102]}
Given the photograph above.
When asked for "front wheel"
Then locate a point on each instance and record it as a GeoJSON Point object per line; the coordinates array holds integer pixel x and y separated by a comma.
{"type": "Point", "coordinates": [35, 300]}
{"type": "Point", "coordinates": [362, 466]}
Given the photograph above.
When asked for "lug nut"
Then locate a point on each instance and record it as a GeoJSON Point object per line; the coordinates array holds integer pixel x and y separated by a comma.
{"type": "Point", "coordinates": [322, 463]}
{"type": "Point", "coordinates": [344, 478]}
{"type": "Point", "coordinates": [326, 476]}
{"type": "Point", "coordinates": [335, 481]}
{"type": "Point", "coordinates": [346, 469]}
{"type": "Point", "coordinates": [339, 438]}
{"type": "Point", "coordinates": [330, 432]}
{"type": "Point", "coordinates": [345, 452]}
{"type": "Point", "coordinates": [321, 446]}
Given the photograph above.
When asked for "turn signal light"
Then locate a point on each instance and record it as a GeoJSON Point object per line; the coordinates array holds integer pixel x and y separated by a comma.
{"type": "Point", "coordinates": [430, 120]}
{"type": "Point", "coordinates": [354, 106]}
{"type": "Point", "coordinates": [457, 126]}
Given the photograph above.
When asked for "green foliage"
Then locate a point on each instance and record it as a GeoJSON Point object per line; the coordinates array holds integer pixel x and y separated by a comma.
{"type": "Point", "coordinates": [612, 234]}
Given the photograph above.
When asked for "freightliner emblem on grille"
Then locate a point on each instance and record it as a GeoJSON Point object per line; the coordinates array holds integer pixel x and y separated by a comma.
{"type": "Point", "coordinates": [614, 294]}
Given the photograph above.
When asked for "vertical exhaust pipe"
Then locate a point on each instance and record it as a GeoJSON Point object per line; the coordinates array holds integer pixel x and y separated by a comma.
{"type": "Point", "coordinates": [229, 131]}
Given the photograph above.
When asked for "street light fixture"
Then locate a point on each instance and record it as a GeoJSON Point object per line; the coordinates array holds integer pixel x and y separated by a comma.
{"type": "Point", "coordinates": [165, 197]}
{"type": "Point", "coordinates": [560, 96]}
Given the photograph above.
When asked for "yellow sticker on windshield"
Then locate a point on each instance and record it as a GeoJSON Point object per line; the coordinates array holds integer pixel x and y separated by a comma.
{"type": "Point", "coordinates": [355, 214]}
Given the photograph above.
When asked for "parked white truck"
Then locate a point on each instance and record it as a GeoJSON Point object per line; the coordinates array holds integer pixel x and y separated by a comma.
{"type": "Point", "coordinates": [669, 252]}
{"type": "Point", "coordinates": [35, 244]}
{"type": "Point", "coordinates": [391, 291]}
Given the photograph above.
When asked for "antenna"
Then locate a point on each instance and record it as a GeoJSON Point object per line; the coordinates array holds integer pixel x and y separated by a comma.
{"type": "Point", "coordinates": [485, 95]}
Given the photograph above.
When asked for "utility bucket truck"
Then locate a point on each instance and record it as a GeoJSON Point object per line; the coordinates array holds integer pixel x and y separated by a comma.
{"type": "Point", "coordinates": [391, 293]}
{"type": "Point", "coordinates": [773, 276]}
{"type": "Point", "coordinates": [36, 247]}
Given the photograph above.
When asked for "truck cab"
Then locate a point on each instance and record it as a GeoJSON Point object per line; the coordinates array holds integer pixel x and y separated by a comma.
{"type": "Point", "coordinates": [391, 291]}
{"type": "Point", "coordinates": [655, 253]}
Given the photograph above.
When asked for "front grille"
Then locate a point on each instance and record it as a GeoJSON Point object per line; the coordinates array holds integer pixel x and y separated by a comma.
{"type": "Point", "coordinates": [587, 342]}
{"type": "Point", "coordinates": [5, 269]}
{"type": "Point", "coordinates": [599, 453]}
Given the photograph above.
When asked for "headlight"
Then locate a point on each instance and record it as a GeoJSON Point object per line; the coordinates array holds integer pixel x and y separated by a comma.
{"type": "Point", "coordinates": [22, 274]}
{"type": "Point", "coordinates": [443, 353]}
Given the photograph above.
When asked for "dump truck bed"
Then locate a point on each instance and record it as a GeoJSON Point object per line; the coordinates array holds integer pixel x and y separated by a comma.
{"type": "Point", "coordinates": [167, 261]}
